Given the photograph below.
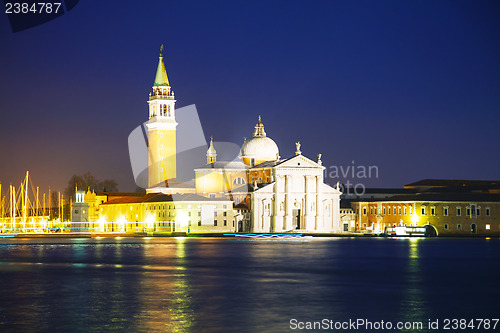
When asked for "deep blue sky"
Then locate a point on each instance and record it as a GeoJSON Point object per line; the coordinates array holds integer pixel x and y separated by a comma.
{"type": "Point", "coordinates": [412, 87]}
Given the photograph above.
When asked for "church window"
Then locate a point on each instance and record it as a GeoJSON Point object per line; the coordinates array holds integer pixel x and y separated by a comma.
{"type": "Point", "coordinates": [488, 211]}
{"type": "Point", "coordinates": [225, 222]}
{"type": "Point", "coordinates": [215, 223]}
{"type": "Point", "coordinates": [238, 181]}
{"type": "Point", "coordinates": [364, 210]}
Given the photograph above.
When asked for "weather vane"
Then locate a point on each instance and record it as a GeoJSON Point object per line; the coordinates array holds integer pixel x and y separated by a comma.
{"type": "Point", "coordinates": [161, 50]}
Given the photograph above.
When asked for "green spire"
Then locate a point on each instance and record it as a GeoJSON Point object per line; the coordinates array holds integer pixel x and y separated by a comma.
{"type": "Point", "coordinates": [161, 78]}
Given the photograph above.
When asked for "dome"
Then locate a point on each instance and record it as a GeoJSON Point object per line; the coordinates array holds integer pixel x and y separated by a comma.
{"type": "Point", "coordinates": [259, 148]}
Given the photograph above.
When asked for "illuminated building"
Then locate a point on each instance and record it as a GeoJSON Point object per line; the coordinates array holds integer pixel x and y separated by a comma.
{"type": "Point", "coordinates": [161, 129]}
{"type": "Point", "coordinates": [158, 212]}
{"type": "Point", "coordinates": [450, 207]}
{"type": "Point", "coordinates": [260, 192]}
{"type": "Point", "coordinates": [281, 195]}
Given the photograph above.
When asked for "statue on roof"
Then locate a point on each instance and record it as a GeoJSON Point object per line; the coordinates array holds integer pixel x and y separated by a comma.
{"type": "Point", "coordinates": [297, 145]}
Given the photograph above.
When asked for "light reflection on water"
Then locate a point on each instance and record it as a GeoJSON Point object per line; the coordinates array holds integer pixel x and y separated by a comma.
{"type": "Point", "coordinates": [234, 285]}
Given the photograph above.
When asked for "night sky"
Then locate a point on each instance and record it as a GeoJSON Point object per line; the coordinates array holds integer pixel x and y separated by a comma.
{"type": "Point", "coordinates": [412, 87]}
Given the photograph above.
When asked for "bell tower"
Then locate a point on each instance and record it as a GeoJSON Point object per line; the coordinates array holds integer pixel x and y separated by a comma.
{"type": "Point", "coordinates": [211, 153]}
{"type": "Point", "coordinates": [161, 130]}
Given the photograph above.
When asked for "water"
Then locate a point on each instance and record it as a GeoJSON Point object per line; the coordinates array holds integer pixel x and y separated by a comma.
{"type": "Point", "coordinates": [235, 285]}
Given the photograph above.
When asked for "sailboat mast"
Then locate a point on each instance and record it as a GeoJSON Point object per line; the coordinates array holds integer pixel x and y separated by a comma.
{"type": "Point", "coordinates": [44, 211]}
{"type": "Point", "coordinates": [37, 212]}
{"type": "Point", "coordinates": [14, 208]}
{"type": "Point", "coordinates": [50, 206]}
{"type": "Point", "coordinates": [25, 206]}
{"type": "Point", "coordinates": [59, 207]}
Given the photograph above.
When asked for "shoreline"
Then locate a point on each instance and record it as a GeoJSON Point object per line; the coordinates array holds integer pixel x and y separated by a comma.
{"type": "Point", "coordinates": [225, 235]}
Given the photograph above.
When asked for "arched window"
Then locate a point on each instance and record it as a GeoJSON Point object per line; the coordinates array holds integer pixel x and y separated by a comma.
{"type": "Point", "coordinates": [238, 181]}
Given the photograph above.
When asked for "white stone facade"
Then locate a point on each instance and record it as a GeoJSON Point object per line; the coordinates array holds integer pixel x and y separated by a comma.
{"type": "Point", "coordinates": [296, 201]}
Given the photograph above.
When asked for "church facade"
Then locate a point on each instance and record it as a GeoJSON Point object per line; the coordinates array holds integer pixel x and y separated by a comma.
{"type": "Point", "coordinates": [272, 194]}
{"type": "Point", "coordinates": [257, 192]}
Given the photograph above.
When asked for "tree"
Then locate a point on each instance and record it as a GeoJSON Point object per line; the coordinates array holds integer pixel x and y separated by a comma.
{"type": "Point", "coordinates": [88, 181]}
{"type": "Point", "coordinates": [107, 185]}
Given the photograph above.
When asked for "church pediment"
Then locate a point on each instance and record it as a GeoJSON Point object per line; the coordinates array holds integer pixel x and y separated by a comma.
{"type": "Point", "coordinates": [299, 161]}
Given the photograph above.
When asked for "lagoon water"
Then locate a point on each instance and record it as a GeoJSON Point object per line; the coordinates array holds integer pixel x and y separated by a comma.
{"type": "Point", "coordinates": [243, 285]}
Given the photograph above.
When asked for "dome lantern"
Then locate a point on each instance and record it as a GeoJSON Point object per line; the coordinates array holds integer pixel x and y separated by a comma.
{"type": "Point", "coordinates": [259, 148]}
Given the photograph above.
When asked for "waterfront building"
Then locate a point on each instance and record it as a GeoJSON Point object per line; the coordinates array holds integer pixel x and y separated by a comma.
{"type": "Point", "coordinates": [158, 212]}
{"type": "Point", "coordinates": [449, 207]}
{"type": "Point", "coordinates": [282, 195]}
{"type": "Point", "coordinates": [259, 192]}
{"type": "Point", "coordinates": [347, 218]}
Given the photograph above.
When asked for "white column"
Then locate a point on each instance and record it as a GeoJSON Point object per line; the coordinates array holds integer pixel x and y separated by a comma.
{"type": "Point", "coordinates": [288, 203]}
{"type": "Point", "coordinates": [320, 225]}
{"type": "Point", "coordinates": [277, 217]}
